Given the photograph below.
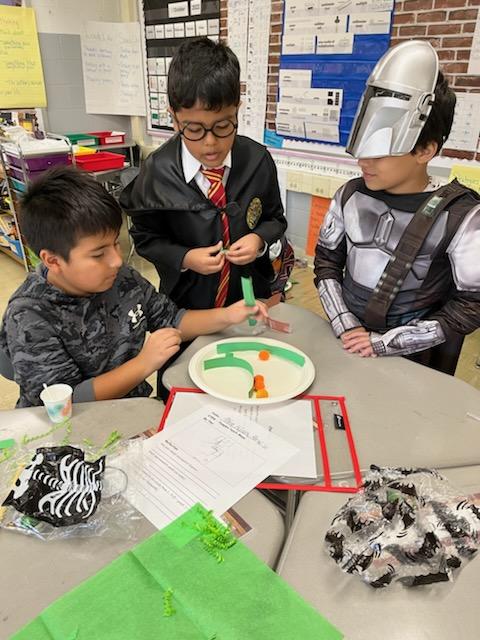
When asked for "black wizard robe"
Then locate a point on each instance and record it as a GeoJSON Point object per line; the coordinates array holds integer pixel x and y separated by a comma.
{"type": "Point", "coordinates": [170, 217]}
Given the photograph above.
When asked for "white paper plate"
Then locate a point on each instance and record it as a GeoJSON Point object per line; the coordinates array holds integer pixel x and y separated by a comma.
{"type": "Point", "coordinates": [283, 379]}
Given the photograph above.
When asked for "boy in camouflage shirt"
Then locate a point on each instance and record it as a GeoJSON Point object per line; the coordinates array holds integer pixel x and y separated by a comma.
{"type": "Point", "coordinates": [82, 317]}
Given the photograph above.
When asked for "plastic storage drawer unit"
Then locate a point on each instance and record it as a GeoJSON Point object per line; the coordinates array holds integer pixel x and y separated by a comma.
{"type": "Point", "coordinates": [40, 162]}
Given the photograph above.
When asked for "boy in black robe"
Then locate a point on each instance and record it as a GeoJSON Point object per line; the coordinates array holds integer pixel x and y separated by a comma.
{"type": "Point", "coordinates": [202, 236]}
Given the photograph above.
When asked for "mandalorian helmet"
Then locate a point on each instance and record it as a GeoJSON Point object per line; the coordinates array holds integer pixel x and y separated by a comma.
{"type": "Point", "coordinates": [396, 102]}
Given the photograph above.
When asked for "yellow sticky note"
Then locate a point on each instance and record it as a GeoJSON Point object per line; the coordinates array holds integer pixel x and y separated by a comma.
{"type": "Point", "coordinates": [469, 176]}
{"type": "Point", "coordinates": [21, 73]}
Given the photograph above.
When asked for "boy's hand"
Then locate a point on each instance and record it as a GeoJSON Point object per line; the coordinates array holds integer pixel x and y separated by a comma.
{"type": "Point", "coordinates": [159, 347]}
{"type": "Point", "coordinates": [245, 250]}
{"type": "Point", "coordinates": [204, 260]}
{"type": "Point", "coordinates": [239, 312]}
{"type": "Point", "coordinates": [358, 341]}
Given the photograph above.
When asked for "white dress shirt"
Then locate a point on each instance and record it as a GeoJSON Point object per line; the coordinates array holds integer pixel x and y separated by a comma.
{"type": "Point", "coordinates": [192, 168]}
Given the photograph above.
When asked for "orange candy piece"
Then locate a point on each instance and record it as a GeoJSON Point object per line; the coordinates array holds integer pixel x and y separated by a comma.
{"type": "Point", "coordinates": [258, 382]}
{"type": "Point", "coordinates": [264, 355]}
{"type": "Point", "coordinates": [261, 393]}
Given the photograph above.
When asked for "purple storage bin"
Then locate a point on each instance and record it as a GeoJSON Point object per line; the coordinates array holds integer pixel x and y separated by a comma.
{"type": "Point", "coordinates": [17, 173]}
{"type": "Point", "coordinates": [39, 163]}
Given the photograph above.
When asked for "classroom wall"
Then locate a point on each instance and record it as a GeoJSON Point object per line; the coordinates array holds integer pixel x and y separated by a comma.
{"type": "Point", "coordinates": [449, 26]}
{"type": "Point", "coordinates": [68, 16]}
{"type": "Point", "coordinates": [59, 25]}
{"type": "Point", "coordinates": [62, 70]}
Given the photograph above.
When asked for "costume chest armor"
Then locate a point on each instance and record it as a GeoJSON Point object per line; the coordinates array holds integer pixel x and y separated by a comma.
{"type": "Point", "coordinates": [373, 231]}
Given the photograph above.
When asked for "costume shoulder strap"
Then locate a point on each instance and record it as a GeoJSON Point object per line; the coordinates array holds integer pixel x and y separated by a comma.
{"type": "Point", "coordinates": [349, 189]}
{"type": "Point", "coordinates": [407, 250]}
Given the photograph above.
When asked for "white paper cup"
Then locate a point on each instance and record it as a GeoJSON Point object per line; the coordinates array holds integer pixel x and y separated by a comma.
{"type": "Point", "coordinates": [58, 401]}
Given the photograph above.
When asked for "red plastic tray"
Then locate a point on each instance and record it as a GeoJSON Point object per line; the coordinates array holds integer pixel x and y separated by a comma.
{"type": "Point", "coordinates": [106, 137]}
{"type": "Point", "coordinates": [328, 485]}
{"type": "Point", "coordinates": [102, 161]}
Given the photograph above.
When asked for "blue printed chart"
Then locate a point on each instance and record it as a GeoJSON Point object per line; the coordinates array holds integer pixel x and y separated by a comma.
{"type": "Point", "coordinates": [329, 48]}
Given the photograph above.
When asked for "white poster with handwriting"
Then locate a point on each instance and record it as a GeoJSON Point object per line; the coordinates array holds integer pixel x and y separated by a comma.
{"type": "Point", "coordinates": [113, 68]}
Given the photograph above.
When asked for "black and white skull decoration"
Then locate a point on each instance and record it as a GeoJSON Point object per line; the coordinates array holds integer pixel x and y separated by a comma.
{"type": "Point", "coordinates": [58, 486]}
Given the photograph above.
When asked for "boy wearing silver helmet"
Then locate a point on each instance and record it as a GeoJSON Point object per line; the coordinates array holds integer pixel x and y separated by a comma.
{"type": "Point", "coordinates": [397, 263]}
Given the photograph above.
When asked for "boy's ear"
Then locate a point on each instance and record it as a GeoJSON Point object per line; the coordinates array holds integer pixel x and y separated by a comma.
{"type": "Point", "coordinates": [424, 154]}
{"type": "Point", "coordinates": [51, 260]}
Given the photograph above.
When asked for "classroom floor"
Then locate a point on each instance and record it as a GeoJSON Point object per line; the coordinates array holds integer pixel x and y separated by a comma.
{"type": "Point", "coordinates": [302, 294]}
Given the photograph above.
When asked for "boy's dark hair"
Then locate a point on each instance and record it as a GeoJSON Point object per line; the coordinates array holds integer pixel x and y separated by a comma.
{"type": "Point", "coordinates": [439, 122]}
{"type": "Point", "coordinates": [63, 206]}
{"type": "Point", "coordinates": [204, 71]}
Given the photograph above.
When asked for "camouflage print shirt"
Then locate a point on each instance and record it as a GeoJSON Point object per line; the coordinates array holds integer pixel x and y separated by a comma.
{"type": "Point", "coordinates": [52, 337]}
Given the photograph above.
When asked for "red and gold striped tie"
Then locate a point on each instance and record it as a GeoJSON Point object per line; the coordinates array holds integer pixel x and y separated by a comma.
{"type": "Point", "coordinates": [216, 193]}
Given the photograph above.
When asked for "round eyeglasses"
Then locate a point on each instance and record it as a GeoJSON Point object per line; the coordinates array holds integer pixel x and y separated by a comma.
{"type": "Point", "coordinates": [195, 131]}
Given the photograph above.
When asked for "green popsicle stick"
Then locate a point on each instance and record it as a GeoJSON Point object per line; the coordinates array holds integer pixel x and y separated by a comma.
{"type": "Point", "coordinates": [281, 352]}
{"type": "Point", "coordinates": [248, 295]}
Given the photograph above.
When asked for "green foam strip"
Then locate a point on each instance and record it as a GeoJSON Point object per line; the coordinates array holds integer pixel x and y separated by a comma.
{"type": "Point", "coordinates": [248, 295]}
{"type": "Point", "coordinates": [247, 290]}
{"type": "Point", "coordinates": [281, 352]}
{"type": "Point", "coordinates": [228, 360]}
{"type": "Point", "coordinates": [7, 444]}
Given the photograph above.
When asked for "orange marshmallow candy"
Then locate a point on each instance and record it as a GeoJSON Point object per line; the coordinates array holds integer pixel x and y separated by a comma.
{"type": "Point", "coordinates": [258, 382]}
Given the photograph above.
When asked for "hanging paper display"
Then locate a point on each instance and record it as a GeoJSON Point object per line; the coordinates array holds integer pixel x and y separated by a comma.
{"type": "Point", "coordinates": [166, 25]}
{"type": "Point", "coordinates": [328, 51]}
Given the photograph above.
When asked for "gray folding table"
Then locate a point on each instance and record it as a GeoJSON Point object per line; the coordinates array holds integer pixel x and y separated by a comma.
{"type": "Point", "coordinates": [440, 611]}
{"type": "Point", "coordinates": [34, 573]}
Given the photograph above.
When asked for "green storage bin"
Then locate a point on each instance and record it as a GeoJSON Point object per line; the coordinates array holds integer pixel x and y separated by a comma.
{"type": "Point", "coordinates": [83, 139]}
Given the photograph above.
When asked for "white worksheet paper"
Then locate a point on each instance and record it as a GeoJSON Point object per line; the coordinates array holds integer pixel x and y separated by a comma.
{"type": "Point", "coordinates": [210, 457]}
{"type": "Point", "coordinates": [291, 420]}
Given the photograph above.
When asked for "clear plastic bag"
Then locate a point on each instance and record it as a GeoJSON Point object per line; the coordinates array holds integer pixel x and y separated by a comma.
{"type": "Point", "coordinates": [61, 491]}
{"type": "Point", "coordinates": [406, 525]}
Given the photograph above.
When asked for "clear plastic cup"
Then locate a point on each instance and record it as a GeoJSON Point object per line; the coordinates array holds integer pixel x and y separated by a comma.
{"type": "Point", "coordinates": [57, 399]}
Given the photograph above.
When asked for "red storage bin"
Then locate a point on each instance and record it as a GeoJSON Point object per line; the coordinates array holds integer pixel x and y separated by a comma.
{"type": "Point", "coordinates": [101, 161]}
{"type": "Point", "coordinates": [108, 137]}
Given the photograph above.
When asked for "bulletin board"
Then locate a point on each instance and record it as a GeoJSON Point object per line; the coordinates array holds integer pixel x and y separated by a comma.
{"type": "Point", "coordinates": [165, 26]}
{"type": "Point", "coordinates": [328, 51]}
